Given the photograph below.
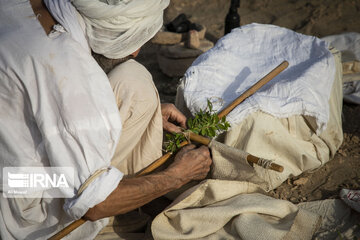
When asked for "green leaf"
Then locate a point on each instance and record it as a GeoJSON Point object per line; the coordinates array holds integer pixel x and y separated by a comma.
{"type": "Point", "coordinates": [190, 123]}
{"type": "Point", "coordinates": [212, 132]}
{"type": "Point", "coordinates": [205, 122]}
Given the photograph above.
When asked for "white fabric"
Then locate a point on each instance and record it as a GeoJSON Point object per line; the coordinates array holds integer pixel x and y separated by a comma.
{"type": "Point", "coordinates": [95, 193]}
{"type": "Point", "coordinates": [57, 109]}
{"type": "Point", "coordinates": [349, 45]}
{"type": "Point", "coordinates": [117, 28]}
{"type": "Point", "coordinates": [339, 221]}
{"type": "Point", "coordinates": [290, 142]}
{"type": "Point", "coordinates": [351, 198]}
{"type": "Point", "coordinates": [247, 54]}
{"type": "Point", "coordinates": [66, 14]}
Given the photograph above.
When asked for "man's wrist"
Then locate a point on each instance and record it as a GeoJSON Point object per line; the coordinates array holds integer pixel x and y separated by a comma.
{"type": "Point", "coordinates": [175, 178]}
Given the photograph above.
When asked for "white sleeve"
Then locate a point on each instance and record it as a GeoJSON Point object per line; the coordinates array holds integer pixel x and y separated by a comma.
{"type": "Point", "coordinates": [96, 192]}
{"type": "Point", "coordinates": [76, 113]}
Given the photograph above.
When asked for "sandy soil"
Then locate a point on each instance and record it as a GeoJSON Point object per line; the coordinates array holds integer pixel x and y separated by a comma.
{"type": "Point", "coordinates": [318, 18]}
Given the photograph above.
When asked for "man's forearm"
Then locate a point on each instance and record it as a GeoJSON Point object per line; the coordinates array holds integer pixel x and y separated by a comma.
{"type": "Point", "coordinates": [132, 193]}
{"type": "Point", "coordinates": [189, 164]}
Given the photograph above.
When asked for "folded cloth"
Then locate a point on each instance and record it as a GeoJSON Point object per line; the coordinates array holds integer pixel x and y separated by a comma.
{"type": "Point", "coordinates": [218, 209]}
{"type": "Point", "coordinates": [349, 45]}
{"type": "Point", "coordinates": [117, 28]}
{"type": "Point", "coordinates": [247, 54]}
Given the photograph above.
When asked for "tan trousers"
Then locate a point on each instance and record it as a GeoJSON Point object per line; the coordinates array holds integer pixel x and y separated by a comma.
{"type": "Point", "coordinates": [140, 111]}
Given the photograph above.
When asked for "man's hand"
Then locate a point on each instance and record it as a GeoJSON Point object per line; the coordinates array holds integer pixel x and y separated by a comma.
{"type": "Point", "coordinates": [131, 193]}
{"type": "Point", "coordinates": [190, 164]}
{"type": "Point", "coordinates": [171, 114]}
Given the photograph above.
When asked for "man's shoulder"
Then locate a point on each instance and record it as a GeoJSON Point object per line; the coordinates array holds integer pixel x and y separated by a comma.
{"type": "Point", "coordinates": [132, 68]}
{"type": "Point", "coordinates": [133, 64]}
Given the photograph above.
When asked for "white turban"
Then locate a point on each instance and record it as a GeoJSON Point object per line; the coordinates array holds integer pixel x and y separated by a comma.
{"type": "Point", "coordinates": [117, 28]}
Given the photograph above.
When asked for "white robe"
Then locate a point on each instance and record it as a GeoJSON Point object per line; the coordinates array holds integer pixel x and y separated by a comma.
{"type": "Point", "coordinates": [57, 109]}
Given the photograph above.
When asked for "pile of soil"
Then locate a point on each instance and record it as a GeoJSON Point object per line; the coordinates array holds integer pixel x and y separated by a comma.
{"type": "Point", "coordinates": [318, 18]}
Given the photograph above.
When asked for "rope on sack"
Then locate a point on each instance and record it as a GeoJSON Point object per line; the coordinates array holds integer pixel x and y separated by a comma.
{"type": "Point", "coordinates": [265, 163]}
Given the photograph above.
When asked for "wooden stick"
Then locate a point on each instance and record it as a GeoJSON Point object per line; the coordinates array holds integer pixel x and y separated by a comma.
{"type": "Point", "coordinates": [250, 158]}
{"type": "Point", "coordinates": [68, 229]}
{"type": "Point", "coordinates": [254, 88]}
{"type": "Point", "coordinates": [160, 161]}
{"type": "Point", "coordinates": [276, 167]}
{"type": "Point", "coordinates": [198, 138]}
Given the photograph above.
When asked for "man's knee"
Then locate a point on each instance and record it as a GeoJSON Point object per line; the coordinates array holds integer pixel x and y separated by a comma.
{"type": "Point", "coordinates": [134, 89]}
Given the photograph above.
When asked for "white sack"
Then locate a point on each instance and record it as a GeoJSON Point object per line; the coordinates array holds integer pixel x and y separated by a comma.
{"type": "Point", "coordinates": [247, 54]}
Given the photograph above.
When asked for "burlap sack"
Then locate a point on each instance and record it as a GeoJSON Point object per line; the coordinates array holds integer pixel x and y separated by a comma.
{"type": "Point", "coordinates": [219, 209]}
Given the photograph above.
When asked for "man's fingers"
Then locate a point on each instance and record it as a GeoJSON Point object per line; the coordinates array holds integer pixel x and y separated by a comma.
{"type": "Point", "coordinates": [179, 117]}
{"type": "Point", "coordinates": [170, 112]}
{"type": "Point", "coordinates": [185, 149]}
{"type": "Point", "coordinates": [191, 163]}
{"type": "Point", "coordinates": [171, 127]}
{"type": "Point", "coordinates": [189, 147]}
{"type": "Point", "coordinates": [205, 150]}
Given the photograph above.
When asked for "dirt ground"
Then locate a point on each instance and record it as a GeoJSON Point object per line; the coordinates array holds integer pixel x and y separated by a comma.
{"type": "Point", "coordinates": [319, 18]}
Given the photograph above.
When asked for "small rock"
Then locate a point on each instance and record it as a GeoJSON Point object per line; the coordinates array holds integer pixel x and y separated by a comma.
{"type": "Point", "coordinates": [342, 153]}
{"type": "Point", "coordinates": [293, 199]}
{"type": "Point", "coordinates": [355, 139]}
{"type": "Point", "coordinates": [202, 32]}
{"type": "Point", "coordinates": [205, 45]}
{"type": "Point", "coordinates": [301, 181]}
{"type": "Point", "coordinates": [193, 40]}
{"type": "Point", "coordinates": [181, 51]}
{"type": "Point", "coordinates": [169, 38]}
{"type": "Point", "coordinates": [347, 137]}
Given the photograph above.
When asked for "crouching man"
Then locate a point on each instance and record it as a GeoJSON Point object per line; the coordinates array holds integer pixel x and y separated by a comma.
{"type": "Point", "coordinates": [58, 109]}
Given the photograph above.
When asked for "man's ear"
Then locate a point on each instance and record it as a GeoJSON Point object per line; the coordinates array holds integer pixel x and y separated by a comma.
{"type": "Point", "coordinates": [134, 54]}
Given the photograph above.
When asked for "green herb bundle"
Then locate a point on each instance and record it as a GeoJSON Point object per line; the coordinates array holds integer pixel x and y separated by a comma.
{"type": "Point", "coordinates": [205, 123]}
